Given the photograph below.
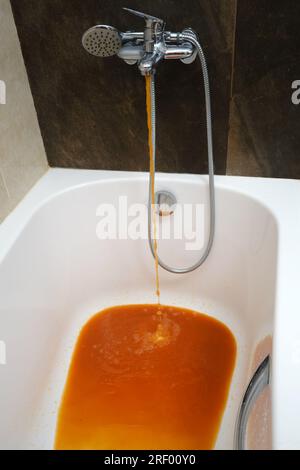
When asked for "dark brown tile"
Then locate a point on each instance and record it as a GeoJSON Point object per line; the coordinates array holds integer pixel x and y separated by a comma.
{"type": "Point", "coordinates": [264, 125]}
{"type": "Point", "coordinates": [92, 112]}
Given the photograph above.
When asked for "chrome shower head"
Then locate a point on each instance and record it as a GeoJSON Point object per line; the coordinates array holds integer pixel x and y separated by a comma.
{"type": "Point", "coordinates": [102, 41]}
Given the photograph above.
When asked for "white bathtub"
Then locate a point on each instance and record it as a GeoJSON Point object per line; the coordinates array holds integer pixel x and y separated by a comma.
{"type": "Point", "coordinates": [55, 273]}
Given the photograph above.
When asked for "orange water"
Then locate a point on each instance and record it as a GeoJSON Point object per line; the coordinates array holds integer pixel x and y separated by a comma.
{"type": "Point", "coordinates": [143, 380]}
{"type": "Point", "coordinates": [152, 173]}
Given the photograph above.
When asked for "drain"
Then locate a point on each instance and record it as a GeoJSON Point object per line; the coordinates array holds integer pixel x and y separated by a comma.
{"type": "Point", "coordinates": [165, 203]}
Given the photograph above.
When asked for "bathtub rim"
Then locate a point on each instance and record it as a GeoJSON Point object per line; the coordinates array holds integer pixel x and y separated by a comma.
{"type": "Point", "coordinates": [47, 189]}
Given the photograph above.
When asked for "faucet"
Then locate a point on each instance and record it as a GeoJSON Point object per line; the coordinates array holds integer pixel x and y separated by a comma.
{"type": "Point", "coordinates": [146, 49]}
{"type": "Point", "coordinates": [154, 47]}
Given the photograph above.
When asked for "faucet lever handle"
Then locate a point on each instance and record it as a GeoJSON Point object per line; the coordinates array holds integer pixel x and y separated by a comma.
{"type": "Point", "coordinates": [148, 18]}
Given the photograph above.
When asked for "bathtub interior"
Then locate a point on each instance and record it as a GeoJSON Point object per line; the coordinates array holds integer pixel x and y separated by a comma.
{"type": "Point", "coordinates": [58, 273]}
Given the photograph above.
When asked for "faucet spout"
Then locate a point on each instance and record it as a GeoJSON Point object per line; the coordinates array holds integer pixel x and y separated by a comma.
{"type": "Point", "coordinates": [147, 65]}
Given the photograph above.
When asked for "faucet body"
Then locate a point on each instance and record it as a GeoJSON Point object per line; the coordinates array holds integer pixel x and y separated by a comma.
{"type": "Point", "coordinates": [147, 49]}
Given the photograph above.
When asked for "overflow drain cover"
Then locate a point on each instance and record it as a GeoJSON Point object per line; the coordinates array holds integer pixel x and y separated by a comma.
{"type": "Point", "coordinates": [165, 203]}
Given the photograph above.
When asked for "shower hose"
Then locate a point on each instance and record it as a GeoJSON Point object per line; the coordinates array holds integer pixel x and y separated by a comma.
{"type": "Point", "coordinates": [192, 39]}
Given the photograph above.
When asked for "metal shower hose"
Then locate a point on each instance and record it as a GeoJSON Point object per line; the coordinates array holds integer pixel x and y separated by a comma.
{"type": "Point", "coordinates": [191, 38]}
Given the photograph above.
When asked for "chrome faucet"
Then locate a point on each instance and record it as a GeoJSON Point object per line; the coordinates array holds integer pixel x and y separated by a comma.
{"type": "Point", "coordinates": [153, 42]}
{"type": "Point", "coordinates": [146, 49]}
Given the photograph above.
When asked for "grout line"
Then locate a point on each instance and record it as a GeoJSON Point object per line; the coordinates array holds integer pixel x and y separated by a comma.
{"type": "Point", "coordinates": [233, 48]}
{"type": "Point", "coordinates": [4, 183]}
{"type": "Point", "coordinates": [231, 84]}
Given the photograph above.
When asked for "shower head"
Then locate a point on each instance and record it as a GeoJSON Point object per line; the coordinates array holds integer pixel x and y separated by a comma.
{"type": "Point", "coordinates": [102, 41]}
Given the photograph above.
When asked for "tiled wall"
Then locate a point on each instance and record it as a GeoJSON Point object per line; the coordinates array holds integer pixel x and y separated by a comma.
{"type": "Point", "coordinates": [22, 154]}
{"type": "Point", "coordinates": [92, 111]}
{"type": "Point", "coordinates": [265, 125]}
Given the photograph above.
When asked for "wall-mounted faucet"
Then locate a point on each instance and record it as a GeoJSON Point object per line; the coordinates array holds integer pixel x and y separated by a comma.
{"type": "Point", "coordinates": [145, 48]}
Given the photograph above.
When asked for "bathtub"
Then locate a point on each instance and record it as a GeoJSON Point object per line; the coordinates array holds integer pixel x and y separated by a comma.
{"type": "Point", "coordinates": [55, 273]}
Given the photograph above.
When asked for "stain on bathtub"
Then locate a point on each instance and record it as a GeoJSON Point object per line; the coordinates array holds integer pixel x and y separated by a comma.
{"type": "Point", "coordinates": [143, 380]}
